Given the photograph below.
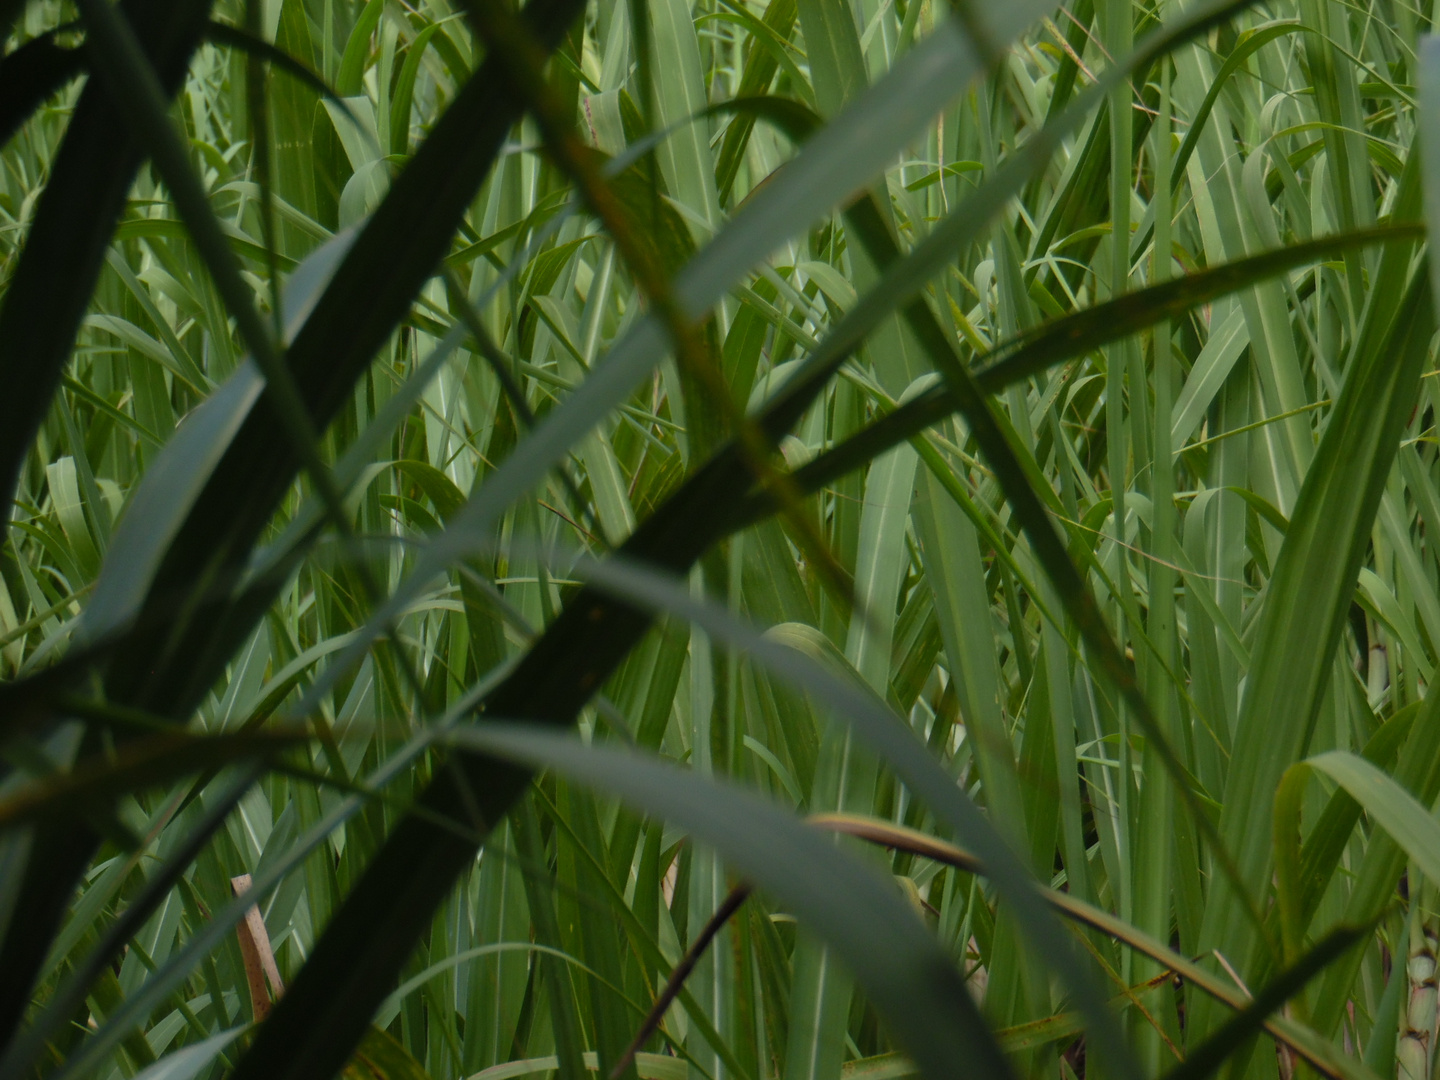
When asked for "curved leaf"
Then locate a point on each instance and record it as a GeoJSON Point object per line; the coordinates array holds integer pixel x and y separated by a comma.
{"type": "Point", "coordinates": [907, 977]}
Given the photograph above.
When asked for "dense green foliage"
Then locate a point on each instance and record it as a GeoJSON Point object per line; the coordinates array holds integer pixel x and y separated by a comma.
{"type": "Point", "coordinates": [518, 484]}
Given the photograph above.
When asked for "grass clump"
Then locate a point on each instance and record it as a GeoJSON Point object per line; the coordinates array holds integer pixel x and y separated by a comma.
{"type": "Point", "coordinates": [783, 539]}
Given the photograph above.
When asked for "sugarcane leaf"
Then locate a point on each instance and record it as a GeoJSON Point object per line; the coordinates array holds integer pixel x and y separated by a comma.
{"type": "Point", "coordinates": [1392, 807]}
